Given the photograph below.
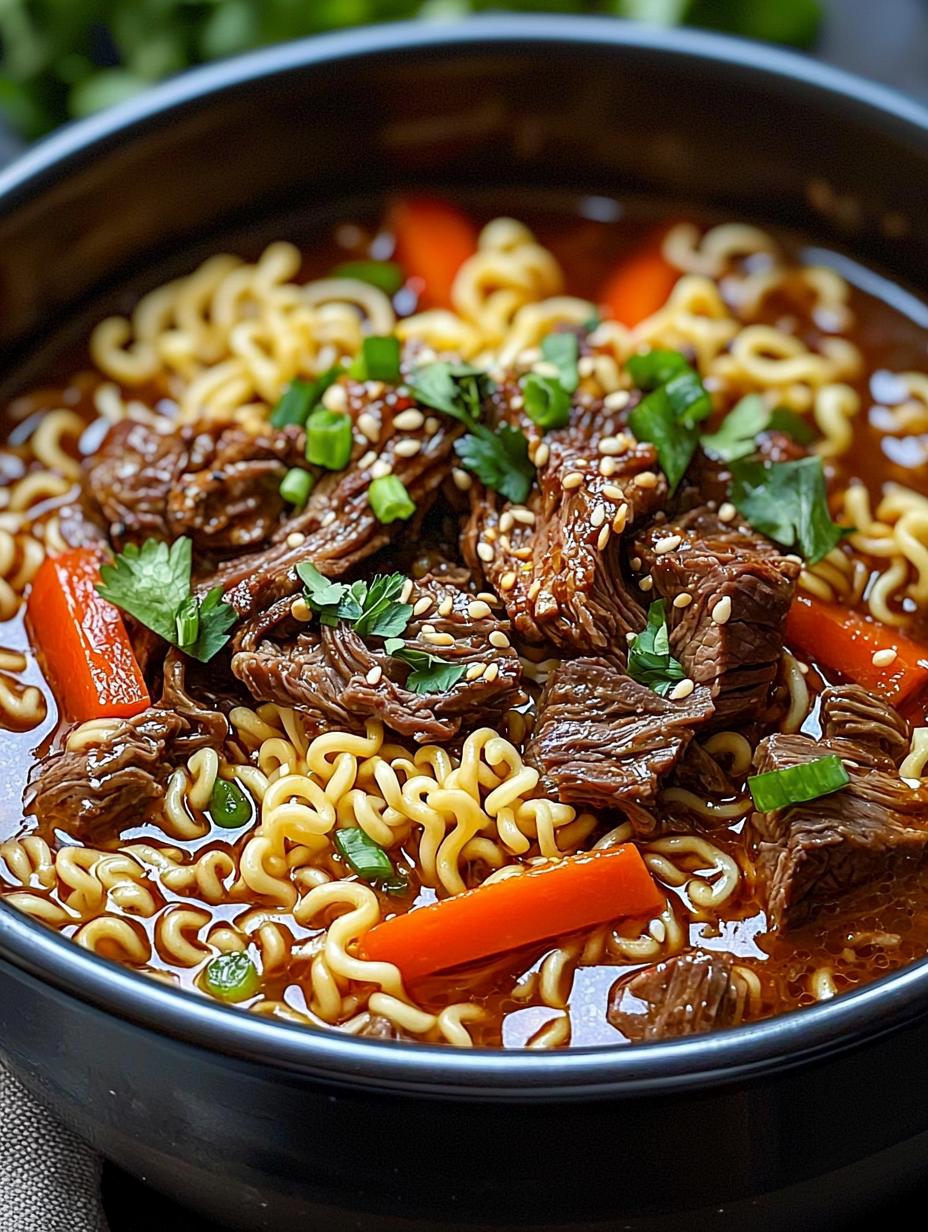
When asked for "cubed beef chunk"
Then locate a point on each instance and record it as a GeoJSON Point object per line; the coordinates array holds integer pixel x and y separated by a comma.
{"type": "Point", "coordinates": [687, 995]}
{"type": "Point", "coordinates": [338, 679]}
{"type": "Point", "coordinates": [812, 854]}
{"type": "Point", "coordinates": [849, 712]}
{"type": "Point", "coordinates": [556, 561]}
{"type": "Point", "coordinates": [729, 636]}
{"type": "Point", "coordinates": [604, 740]}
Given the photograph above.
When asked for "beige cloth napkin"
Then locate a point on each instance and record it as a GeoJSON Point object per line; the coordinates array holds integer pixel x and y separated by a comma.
{"type": "Point", "coordinates": [49, 1179]}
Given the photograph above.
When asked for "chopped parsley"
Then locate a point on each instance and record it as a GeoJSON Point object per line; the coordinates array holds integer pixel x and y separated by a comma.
{"type": "Point", "coordinates": [499, 459]}
{"type": "Point", "coordinates": [374, 609]}
{"type": "Point", "coordinates": [787, 502]}
{"type": "Point", "coordinates": [431, 673]}
{"type": "Point", "coordinates": [152, 583]}
{"type": "Point", "coordinates": [649, 659]}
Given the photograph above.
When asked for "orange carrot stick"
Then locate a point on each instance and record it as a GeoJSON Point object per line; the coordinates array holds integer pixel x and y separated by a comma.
{"type": "Point", "coordinates": [639, 286]}
{"type": "Point", "coordinates": [83, 640]}
{"type": "Point", "coordinates": [846, 641]}
{"type": "Point", "coordinates": [433, 240]}
{"type": "Point", "coordinates": [577, 892]}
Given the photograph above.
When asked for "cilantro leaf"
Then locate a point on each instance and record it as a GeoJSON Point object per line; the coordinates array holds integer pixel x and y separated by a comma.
{"type": "Point", "coordinates": [788, 502]}
{"type": "Point", "coordinates": [381, 614]}
{"type": "Point", "coordinates": [654, 419]}
{"type": "Point", "coordinates": [563, 350]}
{"type": "Point", "coordinates": [430, 674]}
{"type": "Point", "coordinates": [152, 583]}
{"type": "Point", "coordinates": [371, 607]}
{"type": "Point", "coordinates": [322, 595]}
{"type": "Point", "coordinates": [649, 659]}
{"type": "Point", "coordinates": [782, 419]}
{"type": "Point", "coordinates": [738, 432]}
{"type": "Point", "coordinates": [500, 460]}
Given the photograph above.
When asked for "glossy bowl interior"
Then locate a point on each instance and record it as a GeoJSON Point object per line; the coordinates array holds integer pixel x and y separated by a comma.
{"type": "Point", "coordinates": [582, 105]}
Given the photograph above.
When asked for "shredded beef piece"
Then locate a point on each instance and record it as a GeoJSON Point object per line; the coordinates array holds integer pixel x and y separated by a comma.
{"type": "Point", "coordinates": [324, 671]}
{"type": "Point", "coordinates": [811, 854]}
{"type": "Point", "coordinates": [558, 584]}
{"type": "Point", "coordinates": [849, 712]}
{"type": "Point", "coordinates": [687, 995]}
{"type": "Point", "coordinates": [217, 484]}
{"type": "Point", "coordinates": [737, 655]}
{"type": "Point", "coordinates": [604, 740]}
{"type": "Point", "coordinates": [338, 529]}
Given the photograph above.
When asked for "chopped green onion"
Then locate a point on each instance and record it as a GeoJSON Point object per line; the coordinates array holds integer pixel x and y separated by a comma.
{"type": "Point", "coordinates": [296, 486]}
{"type": "Point", "coordinates": [563, 350]}
{"type": "Point", "coordinates": [187, 622]}
{"type": "Point", "coordinates": [379, 360]}
{"type": "Point", "coordinates": [366, 857]}
{"type": "Point", "coordinates": [389, 499]}
{"type": "Point", "coordinates": [797, 784]}
{"type": "Point", "coordinates": [229, 807]}
{"type": "Point", "coordinates": [655, 368]}
{"type": "Point", "coordinates": [387, 276]}
{"type": "Point", "coordinates": [328, 439]}
{"type": "Point", "coordinates": [547, 402]}
{"type": "Point", "coordinates": [232, 977]}
{"type": "Point", "coordinates": [300, 397]}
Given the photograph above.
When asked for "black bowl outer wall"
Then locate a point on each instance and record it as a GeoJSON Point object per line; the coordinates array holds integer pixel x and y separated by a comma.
{"type": "Point", "coordinates": [272, 1127]}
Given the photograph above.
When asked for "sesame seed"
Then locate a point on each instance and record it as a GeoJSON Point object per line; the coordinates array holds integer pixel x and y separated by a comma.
{"type": "Point", "coordinates": [524, 516]}
{"type": "Point", "coordinates": [669, 543]}
{"type": "Point", "coordinates": [646, 583]}
{"type": "Point", "coordinates": [533, 590]}
{"type": "Point", "coordinates": [517, 402]}
{"type": "Point", "coordinates": [542, 454]}
{"type": "Point", "coordinates": [488, 597]}
{"type": "Point", "coordinates": [422, 605]}
{"type": "Point", "coordinates": [407, 448]}
{"type": "Point", "coordinates": [381, 468]}
{"type": "Point", "coordinates": [613, 491]}
{"type": "Point", "coordinates": [299, 609]}
{"type": "Point", "coordinates": [682, 689]}
{"type": "Point", "coordinates": [462, 481]}
{"type": "Point", "coordinates": [621, 517]}
{"type": "Point", "coordinates": [438, 639]}
{"type": "Point", "coordinates": [329, 517]}
{"type": "Point", "coordinates": [376, 389]}
{"type": "Point", "coordinates": [883, 658]}
{"type": "Point", "coordinates": [499, 639]}
{"type": "Point", "coordinates": [507, 581]}
{"type": "Point", "coordinates": [647, 479]}
{"type": "Point", "coordinates": [295, 539]}
{"type": "Point", "coordinates": [432, 424]}
{"type": "Point", "coordinates": [475, 671]}
{"type": "Point", "coordinates": [367, 459]}
{"type": "Point", "coordinates": [630, 636]}
{"type": "Point", "coordinates": [617, 400]}
{"type": "Point", "coordinates": [522, 553]}
{"type": "Point", "coordinates": [573, 480]}
{"type": "Point", "coordinates": [635, 563]}
{"type": "Point", "coordinates": [504, 544]}
{"type": "Point", "coordinates": [727, 512]}
{"type": "Point", "coordinates": [491, 672]}
{"type": "Point", "coordinates": [722, 610]}
{"type": "Point", "coordinates": [335, 398]}
{"type": "Point", "coordinates": [409, 421]}
{"type": "Point", "coordinates": [373, 676]}
{"type": "Point", "coordinates": [611, 446]}
{"type": "Point", "coordinates": [506, 521]}
{"type": "Point", "coordinates": [477, 609]}
{"type": "Point", "coordinates": [603, 537]}
{"type": "Point", "coordinates": [406, 591]}
{"type": "Point", "coordinates": [428, 628]}
{"type": "Point", "coordinates": [683, 599]}
{"type": "Point", "coordinates": [367, 423]}
{"type": "Point", "coordinates": [598, 516]}
{"type": "Point", "coordinates": [485, 552]}
{"type": "Point", "coordinates": [586, 366]}
{"type": "Point", "coordinates": [446, 605]}
{"type": "Point", "coordinates": [608, 467]}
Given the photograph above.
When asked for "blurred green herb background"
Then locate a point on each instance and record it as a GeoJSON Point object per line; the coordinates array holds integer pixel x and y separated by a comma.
{"type": "Point", "coordinates": [65, 58]}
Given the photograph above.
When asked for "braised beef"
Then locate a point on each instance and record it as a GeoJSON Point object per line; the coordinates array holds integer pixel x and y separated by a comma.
{"type": "Point", "coordinates": [556, 561]}
{"type": "Point", "coordinates": [811, 854]}
{"type": "Point", "coordinates": [604, 740]}
{"type": "Point", "coordinates": [218, 484]}
{"type": "Point", "coordinates": [686, 995]}
{"type": "Point", "coordinates": [849, 712]}
{"type": "Point", "coordinates": [338, 679]}
{"type": "Point", "coordinates": [730, 635]}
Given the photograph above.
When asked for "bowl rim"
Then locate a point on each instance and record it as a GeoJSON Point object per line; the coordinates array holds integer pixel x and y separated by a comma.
{"type": "Point", "coordinates": [785, 1042]}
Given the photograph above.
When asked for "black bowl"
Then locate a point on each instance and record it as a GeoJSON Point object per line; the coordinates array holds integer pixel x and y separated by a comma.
{"type": "Point", "coordinates": [271, 1126]}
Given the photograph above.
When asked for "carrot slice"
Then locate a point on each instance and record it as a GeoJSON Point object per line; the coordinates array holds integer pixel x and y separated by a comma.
{"type": "Point", "coordinates": [433, 240]}
{"type": "Point", "coordinates": [846, 641]}
{"type": "Point", "coordinates": [545, 901]}
{"type": "Point", "coordinates": [83, 640]}
{"type": "Point", "coordinates": [640, 285]}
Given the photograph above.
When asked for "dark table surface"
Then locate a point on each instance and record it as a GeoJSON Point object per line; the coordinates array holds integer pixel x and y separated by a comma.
{"type": "Point", "coordinates": [883, 39]}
